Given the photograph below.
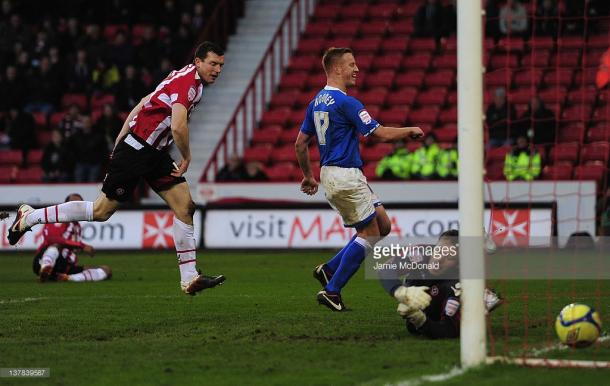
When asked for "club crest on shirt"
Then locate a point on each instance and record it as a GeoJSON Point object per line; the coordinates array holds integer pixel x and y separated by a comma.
{"type": "Point", "coordinates": [192, 93]}
{"type": "Point", "coordinates": [365, 117]}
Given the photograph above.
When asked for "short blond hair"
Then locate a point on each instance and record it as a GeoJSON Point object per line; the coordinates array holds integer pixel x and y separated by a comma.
{"type": "Point", "coordinates": [331, 56]}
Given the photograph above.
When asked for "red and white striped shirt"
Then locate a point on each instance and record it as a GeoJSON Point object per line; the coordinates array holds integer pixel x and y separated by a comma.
{"type": "Point", "coordinates": [153, 122]}
{"type": "Point", "coordinates": [65, 235]}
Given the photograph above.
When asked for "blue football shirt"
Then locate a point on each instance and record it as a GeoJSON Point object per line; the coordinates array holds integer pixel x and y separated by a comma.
{"type": "Point", "coordinates": [336, 118]}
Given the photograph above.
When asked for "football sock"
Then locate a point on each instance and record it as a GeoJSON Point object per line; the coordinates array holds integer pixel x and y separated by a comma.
{"type": "Point", "coordinates": [352, 258]}
{"type": "Point", "coordinates": [184, 239]}
{"type": "Point", "coordinates": [49, 257]}
{"type": "Point", "coordinates": [333, 263]}
{"type": "Point", "coordinates": [91, 274]}
{"type": "Point", "coordinates": [66, 212]}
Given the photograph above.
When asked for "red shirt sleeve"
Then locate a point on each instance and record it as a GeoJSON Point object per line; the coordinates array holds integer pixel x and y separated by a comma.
{"type": "Point", "coordinates": [54, 234]}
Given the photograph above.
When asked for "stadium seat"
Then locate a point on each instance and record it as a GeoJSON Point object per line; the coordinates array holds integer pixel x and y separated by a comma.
{"type": "Point", "coordinates": [591, 171]}
{"type": "Point", "coordinates": [394, 115]}
{"type": "Point", "coordinates": [422, 45]}
{"type": "Point", "coordinates": [373, 97]}
{"type": "Point", "coordinates": [40, 119]}
{"type": "Point", "coordinates": [570, 43]}
{"type": "Point", "coordinates": [564, 152]}
{"type": "Point", "coordinates": [579, 113]}
{"type": "Point", "coordinates": [531, 77]}
{"type": "Point", "coordinates": [521, 96]}
{"type": "Point", "coordinates": [269, 135]}
{"type": "Point", "coordinates": [368, 45]}
{"type": "Point", "coordinates": [447, 60]}
{"type": "Point", "coordinates": [35, 156]}
{"type": "Point", "coordinates": [402, 96]}
{"type": "Point", "coordinates": [586, 95]}
{"type": "Point", "coordinates": [571, 132]}
{"type": "Point", "coordinates": [553, 95]}
{"type": "Point", "coordinates": [566, 58]}
{"type": "Point", "coordinates": [8, 173]}
{"type": "Point", "coordinates": [99, 100]}
{"type": "Point", "coordinates": [511, 44]}
{"type": "Point", "coordinates": [560, 171]}
{"type": "Point", "coordinates": [419, 60]}
{"type": "Point", "coordinates": [280, 172]}
{"type": "Point", "coordinates": [10, 157]}
{"type": "Point", "coordinates": [369, 171]}
{"type": "Point", "coordinates": [303, 63]}
{"type": "Point", "coordinates": [497, 154]}
{"type": "Point", "coordinates": [446, 135]}
{"type": "Point", "coordinates": [382, 12]}
{"type": "Point", "coordinates": [260, 153]}
{"type": "Point", "coordinates": [494, 171]}
{"type": "Point", "coordinates": [313, 46]}
{"type": "Point", "coordinates": [596, 151]}
{"type": "Point", "coordinates": [448, 115]}
{"type": "Point", "coordinates": [562, 76]}
{"type": "Point", "coordinates": [432, 96]}
{"type": "Point", "coordinates": [389, 61]}
{"type": "Point", "coordinates": [314, 153]}
{"type": "Point", "coordinates": [295, 80]}
{"type": "Point", "coordinates": [376, 152]}
{"type": "Point", "coordinates": [400, 28]}
{"type": "Point", "coordinates": [598, 41]}
{"type": "Point", "coordinates": [394, 45]}
{"type": "Point", "coordinates": [599, 133]}
{"type": "Point", "coordinates": [43, 137]}
{"type": "Point", "coordinates": [316, 81]}
{"type": "Point", "coordinates": [374, 28]}
{"type": "Point", "coordinates": [317, 29]}
{"type": "Point", "coordinates": [500, 77]}
{"type": "Point", "coordinates": [284, 99]}
{"type": "Point", "coordinates": [383, 78]}
{"type": "Point", "coordinates": [110, 30]}
{"type": "Point", "coordinates": [541, 42]}
{"type": "Point", "coordinates": [504, 61]}
{"type": "Point", "coordinates": [344, 28]}
{"type": "Point", "coordinates": [305, 97]}
{"type": "Point", "coordinates": [536, 58]}
{"type": "Point", "coordinates": [354, 11]}
{"type": "Point", "coordinates": [278, 116]}
{"type": "Point", "coordinates": [80, 100]}
{"type": "Point", "coordinates": [283, 154]}
{"type": "Point", "coordinates": [427, 114]}
{"type": "Point", "coordinates": [30, 175]}
{"type": "Point", "coordinates": [601, 113]}
{"type": "Point", "coordinates": [444, 78]}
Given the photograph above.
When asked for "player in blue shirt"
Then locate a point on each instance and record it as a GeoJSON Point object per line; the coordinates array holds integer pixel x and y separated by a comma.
{"type": "Point", "coordinates": [336, 119]}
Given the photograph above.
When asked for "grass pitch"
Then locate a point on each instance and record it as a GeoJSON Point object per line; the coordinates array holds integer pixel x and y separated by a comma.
{"type": "Point", "coordinates": [263, 326]}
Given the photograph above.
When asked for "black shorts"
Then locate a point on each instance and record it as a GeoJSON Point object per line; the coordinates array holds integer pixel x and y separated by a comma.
{"type": "Point", "coordinates": [61, 266]}
{"type": "Point", "coordinates": [133, 159]}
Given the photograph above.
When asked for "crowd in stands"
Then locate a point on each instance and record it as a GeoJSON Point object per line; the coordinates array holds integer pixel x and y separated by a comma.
{"type": "Point", "coordinates": [70, 72]}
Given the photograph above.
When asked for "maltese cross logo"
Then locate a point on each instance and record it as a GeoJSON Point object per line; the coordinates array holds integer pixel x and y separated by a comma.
{"type": "Point", "coordinates": [158, 230]}
{"type": "Point", "coordinates": [511, 227]}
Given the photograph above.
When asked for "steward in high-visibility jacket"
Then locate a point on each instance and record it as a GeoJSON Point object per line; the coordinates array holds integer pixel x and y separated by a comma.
{"type": "Point", "coordinates": [424, 159]}
{"type": "Point", "coordinates": [523, 163]}
{"type": "Point", "coordinates": [447, 164]}
{"type": "Point", "coordinates": [396, 165]}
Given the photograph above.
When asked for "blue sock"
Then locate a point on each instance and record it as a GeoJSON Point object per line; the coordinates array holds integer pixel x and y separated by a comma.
{"type": "Point", "coordinates": [352, 258]}
{"type": "Point", "coordinates": [333, 263]}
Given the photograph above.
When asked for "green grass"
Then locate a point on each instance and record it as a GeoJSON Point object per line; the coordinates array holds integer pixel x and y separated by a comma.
{"type": "Point", "coordinates": [262, 327]}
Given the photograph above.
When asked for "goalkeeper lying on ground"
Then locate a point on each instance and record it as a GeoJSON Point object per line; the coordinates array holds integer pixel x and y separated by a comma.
{"type": "Point", "coordinates": [429, 298]}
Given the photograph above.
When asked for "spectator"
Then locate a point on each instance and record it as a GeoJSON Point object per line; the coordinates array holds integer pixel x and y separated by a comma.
{"type": "Point", "coordinates": [109, 124]}
{"type": "Point", "coordinates": [120, 52]}
{"type": "Point", "coordinates": [547, 15]}
{"type": "Point", "coordinates": [513, 19]}
{"type": "Point", "coordinates": [233, 171]}
{"type": "Point", "coordinates": [396, 165]}
{"type": "Point", "coordinates": [54, 160]}
{"type": "Point", "coordinates": [70, 33]}
{"type": "Point", "coordinates": [43, 89]}
{"type": "Point", "coordinates": [198, 19]}
{"type": "Point", "coordinates": [93, 43]}
{"type": "Point", "coordinates": [492, 19]}
{"type": "Point", "coordinates": [71, 122]}
{"type": "Point", "coordinates": [20, 129]}
{"type": "Point", "coordinates": [424, 160]}
{"type": "Point", "coordinates": [79, 74]}
{"type": "Point", "coordinates": [499, 116]}
{"type": "Point", "coordinates": [523, 163]}
{"type": "Point", "coordinates": [450, 18]}
{"type": "Point", "coordinates": [131, 89]}
{"type": "Point", "coordinates": [105, 77]}
{"type": "Point", "coordinates": [164, 69]}
{"type": "Point", "coordinates": [428, 20]}
{"type": "Point", "coordinates": [148, 51]}
{"type": "Point", "coordinates": [90, 150]}
{"type": "Point", "coordinates": [182, 43]}
{"type": "Point", "coordinates": [538, 123]}
{"type": "Point", "coordinates": [13, 92]}
{"type": "Point", "coordinates": [255, 172]}
{"type": "Point", "coordinates": [447, 164]}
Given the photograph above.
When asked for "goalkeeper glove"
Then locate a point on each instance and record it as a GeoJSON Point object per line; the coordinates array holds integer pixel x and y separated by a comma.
{"type": "Point", "coordinates": [413, 297]}
{"type": "Point", "coordinates": [413, 315]}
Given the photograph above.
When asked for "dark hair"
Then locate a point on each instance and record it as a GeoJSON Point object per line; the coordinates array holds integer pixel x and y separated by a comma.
{"type": "Point", "coordinates": [332, 54]}
{"type": "Point", "coordinates": [450, 233]}
{"type": "Point", "coordinates": [202, 50]}
{"type": "Point", "coordinates": [72, 194]}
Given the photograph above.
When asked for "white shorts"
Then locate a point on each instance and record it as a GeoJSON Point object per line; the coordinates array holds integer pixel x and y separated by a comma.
{"type": "Point", "coordinates": [349, 194]}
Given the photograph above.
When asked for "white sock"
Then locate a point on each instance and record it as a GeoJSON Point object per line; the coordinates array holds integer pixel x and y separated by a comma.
{"type": "Point", "coordinates": [66, 212]}
{"type": "Point", "coordinates": [91, 274]}
{"type": "Point", "coordinates": [49, 257]}
{"type": "Point", "coordinates": [184, 239]}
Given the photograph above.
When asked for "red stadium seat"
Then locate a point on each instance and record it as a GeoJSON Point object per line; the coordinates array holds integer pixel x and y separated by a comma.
{"type": "Point", "coordinates": [345, 28]}
{"type": "Point", "coordinates": [376, 152]}
{"type": "Point", "coordinates": [504, 61]}
{"type": "Point", "coordinates": [412, 78]}
{"type": "Point", "coordinates": [305, 97]}
{"type": "Point", "coordinates": [80, 100]}
{"type": "Point", "coordinates": [366, 45]}
{"type": "Point", "coordinates": [598, 41]}
{"type": "Point", "coordinates": [8, 173]}
{"type": "Point", "coordinates": [401, 28]}
{"type": "Point", "coordinates": [432, 96]}
{"type": "Point", "coordinates": [354, 11]}
{"type": "Point", "coordinates": [98, 101]}
{"type": "Point", "coordinates": [327, 11]}
{"type": "Point", "coordinates": [541, 42]}
{"type": "Point", "coordinates": [402, 96]}
{"type": "Point", "coordinates": [390, 61]}
{"type": "Point", "coordinates": [528, 78]}
{"type": "Point", "coordinates": [563, 77]}
{"type": "Point", "coordinates": [392, 45]}
{"type": "Point", "coordinates": [448, 60]}
{"type": "Point", "coordinates": [444, 78]}
{"type": "Point", "coordinates": [553, 95]}
{"type": "Point", "coordinates": [599, 133]}
{"type": "Point", "coordinates": [317, 29]}
{"type": "Point", "coordinates": [395, 115]}
{"type": "Point", "coordinates": [313, 46]}
{"type": "Point", "coordinates": [570, 43]}
{"type": "Point", "coordinates": [497, 154]}
{"type": "Point", "coordinates": [281, 172]}
{"type": "Point", "coordinates": [572, 132]}
{"type": "Point", "coordinates": [35, 156]}
{"type": "Point", "coordinates": [316, 81]}
{"type": "Point", "coordinates": [501, 77]}
{"type": "Point", "coordinates": [446, 135]}
{"type": "Point", "coordinates": [373, 97]}
{"type": "Point", "coordinates": [10, 157]}
{"type": "Point", "coordinates": [521, 96]}
{"type": "Point", "coordinates": [369, 171]}
{"type": "Point", "coordinates": [110, 30]}
{"type": "Point", "coordinates": [43, 137]}
{"type": "Point", "coordinates": [579, 113]}
{"type": "Point", "coordinates": [419, 60]}
{"type": "Point", "coordinates": [428, 114]}
{"type": "Point", "coordinates": [40, 119]}
{"type": "Point", "coordinates": [511, 44]}
{"type": "Point", "coordinates": [260, 153]}
{"type": "Point", "coordinates": [382, 11]}
{"type": "Point", "coordinates": [284, 98]}
{"type": "Point", "coordinates": [383, 78]}
{"type": "Point", "coordinates": [557, 172]}
{"type": "Point", "coordinates": [303, 63]}
{"type": "Point", "coordinates": [314, 153]}
{"type": "Point", "coordinates": [536, 58]}
{"type": "Point", "coordinates": [422, 45]}
{"type": "Point", "coordinates": [601, 113]}
{"type": "Point", "coordinates": [494, 171]}
{"type": "Point", "coordinates": [30, 175]}
{"type": "Point", "coordinates": [289, 135]}
{"type": "Point", "coordinates": [566, 58]}
{"type": "Point", "coordinates": [276, 117]}
{"type": "Point", "coordinates": [374, 28]}
{"type": "Point", "coordinates": [283, 154]}
{"type": "Point", "coordinates": [448, 115]}
{"type": "Point", "coordinates": [564, 152]}
{"type": "Point", "coordinates": [596, 151]}
{"type": "Point", "coordinates": [592, 171]}
{"type": "Point", "coordinates": [269, 135]}
{"type": "Point", "coordinates": [586, 95]}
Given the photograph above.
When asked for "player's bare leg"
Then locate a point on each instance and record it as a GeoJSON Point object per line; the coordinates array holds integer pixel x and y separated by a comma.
{"type": "Point", "coordinates": [178, 197]}
{"type": "Point", "coordinates": [27, 217]}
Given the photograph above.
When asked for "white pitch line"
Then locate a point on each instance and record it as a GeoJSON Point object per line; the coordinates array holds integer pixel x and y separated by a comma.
{"type": "Point", "coordinates": [454, 372]}
{"type": "Point", "coordinates": [24, 300]}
